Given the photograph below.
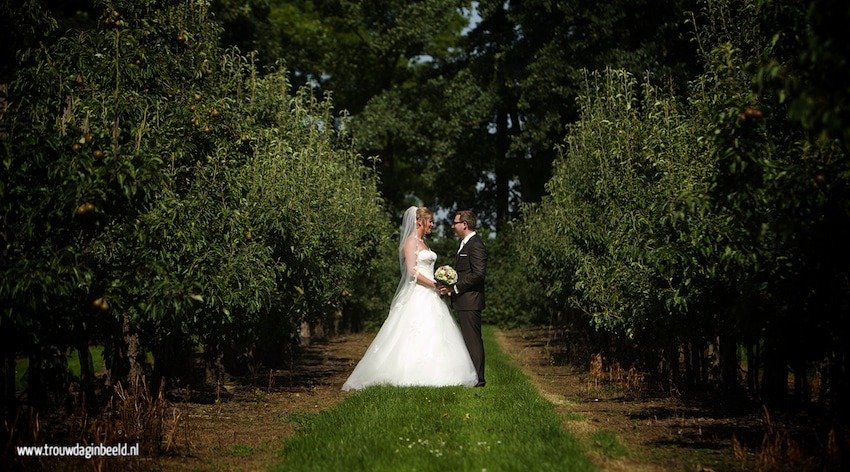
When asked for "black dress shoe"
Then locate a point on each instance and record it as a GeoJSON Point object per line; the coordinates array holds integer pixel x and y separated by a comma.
{"type": "Point", "coordinates": [481, 384]}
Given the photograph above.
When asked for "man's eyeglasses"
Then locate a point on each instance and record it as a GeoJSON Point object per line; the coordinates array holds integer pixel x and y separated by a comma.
{"type": "Point", "coordinates": [456, 222]}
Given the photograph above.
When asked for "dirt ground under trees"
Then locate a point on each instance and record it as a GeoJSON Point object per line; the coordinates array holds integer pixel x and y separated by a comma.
{"type": "Point", "coordinates": [245, 430]}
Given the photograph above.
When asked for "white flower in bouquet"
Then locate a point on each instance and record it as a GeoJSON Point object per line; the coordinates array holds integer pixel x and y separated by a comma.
{"type": "Point", "coordinates": [446, 274]}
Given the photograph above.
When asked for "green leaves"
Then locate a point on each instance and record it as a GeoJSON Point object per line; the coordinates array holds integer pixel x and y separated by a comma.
{"type": "Point", "coordinates": [677, 222]}
{"type": "Point", "coordinates": [202, 200]}
{"type": "Point", "coordinates": [625, 209]}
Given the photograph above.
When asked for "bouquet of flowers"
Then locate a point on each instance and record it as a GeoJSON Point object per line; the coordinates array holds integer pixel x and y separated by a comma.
{"type": "Point", "coordinates": [446, 275]}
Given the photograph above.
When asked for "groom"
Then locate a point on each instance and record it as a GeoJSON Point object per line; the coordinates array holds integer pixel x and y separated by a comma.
{"type": "Point", "coordinates": [468, 293]}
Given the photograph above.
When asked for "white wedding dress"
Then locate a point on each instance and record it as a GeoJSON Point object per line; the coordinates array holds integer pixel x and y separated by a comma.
{"type": "Point", "coordinates": [419, 344]}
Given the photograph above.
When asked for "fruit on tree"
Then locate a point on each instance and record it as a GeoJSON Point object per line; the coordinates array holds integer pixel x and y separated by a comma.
{"type": "Point", "coordinates": [85, 208]}
{"type": "Point", "coordinates": [100, 303]}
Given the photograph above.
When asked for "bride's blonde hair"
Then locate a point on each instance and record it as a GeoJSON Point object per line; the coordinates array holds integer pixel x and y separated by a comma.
{"type": "Point", "coordinates": [424, 213]}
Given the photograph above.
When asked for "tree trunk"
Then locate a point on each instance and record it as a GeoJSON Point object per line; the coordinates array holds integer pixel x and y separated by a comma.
{"type": "Point", "coordinates": [680, 362]}
{"type": "Point", "coordinates": [799, 370]}
{"type": "Point", "coordinates": [214, 357]}
{"type": "Point", "coordinates": [728, 359]}
{"type": "Point", "coordinates": [502, 144]}
{"type": "Point", "coordinates": [131, 339]}
{"type": "Point", "coordinates": [775, 378]}
{"type": "Point", "coordinates": [8, 384]}
{"type": "Point", "coordinates": [503, 32]}
{"type": "Point", "coordinates": [305, 333]}
{"type": "Point", "coordinates": [752, 368]}
{"type": "Point", "coordinates": [47, 376]}
{"type": "Point", "coordinates": [115, 359]}
{"type": "Point", "coordinates": [172, 362]}
{"type": "Point", "coordinates": [838, 383]}
{"type": "Point", "coordinates": [86, 374]}
{"type": "Point", "coordinates": [691, 363]}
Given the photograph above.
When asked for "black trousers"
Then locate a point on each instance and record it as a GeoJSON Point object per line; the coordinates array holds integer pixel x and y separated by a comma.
{"type": "Point", "coordinates": [470, 328]}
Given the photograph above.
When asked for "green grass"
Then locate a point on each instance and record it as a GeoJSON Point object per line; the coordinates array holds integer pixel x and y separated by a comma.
{"type": "Point", "coordinates": [242, 450]}
{"type": "Point", "coordinates": [607, 444]}
{"type": "Point", "coordinates": [97, 360]}
{"type": "Point", "coordinates": [504, 426]}
{"type": "Point", "coordinates": [21, 366]}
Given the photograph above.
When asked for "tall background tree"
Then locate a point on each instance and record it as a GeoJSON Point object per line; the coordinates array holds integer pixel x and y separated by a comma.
{"type": "Point", "coordinates": [463, 102]}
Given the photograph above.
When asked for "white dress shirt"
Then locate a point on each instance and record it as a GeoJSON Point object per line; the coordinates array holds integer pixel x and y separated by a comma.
{"type": "Point", "coordinates": [465, 240]}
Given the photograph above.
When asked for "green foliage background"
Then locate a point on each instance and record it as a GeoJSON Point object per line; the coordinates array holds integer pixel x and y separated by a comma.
{"type": "Point", "coordinates": [206, 203]}
{"type": "Point", "coordinates": [679, 232]}
{"type": "Point", "coordinates": [668, 180]}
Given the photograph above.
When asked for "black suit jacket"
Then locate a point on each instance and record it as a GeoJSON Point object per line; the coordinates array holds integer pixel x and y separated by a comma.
{"type": "Point", "coordinates": [471, 267]}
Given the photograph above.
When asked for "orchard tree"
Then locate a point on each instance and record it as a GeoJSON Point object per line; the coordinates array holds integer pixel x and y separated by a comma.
{"type": "Point", "coordinates": [163, 196]}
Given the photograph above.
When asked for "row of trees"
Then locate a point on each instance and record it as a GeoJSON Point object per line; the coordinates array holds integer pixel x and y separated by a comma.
{"type": "Point", "coordinates": [161, 195]}
{"type": "Point", "coordinates": [165, 192]}
{"type": "Point", "coordinates": [693, 235]}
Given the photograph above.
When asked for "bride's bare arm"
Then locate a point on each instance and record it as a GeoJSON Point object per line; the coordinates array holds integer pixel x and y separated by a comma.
{"type": "Point", "coordinates": [410, 264]}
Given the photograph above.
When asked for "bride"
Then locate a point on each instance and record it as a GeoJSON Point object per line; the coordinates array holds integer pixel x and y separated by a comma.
{"type": "Point", "coordinates": [419, 343]}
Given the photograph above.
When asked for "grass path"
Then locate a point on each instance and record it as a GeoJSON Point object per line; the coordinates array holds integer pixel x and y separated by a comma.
{"type": "Point", "coordinates": [504, 426]}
